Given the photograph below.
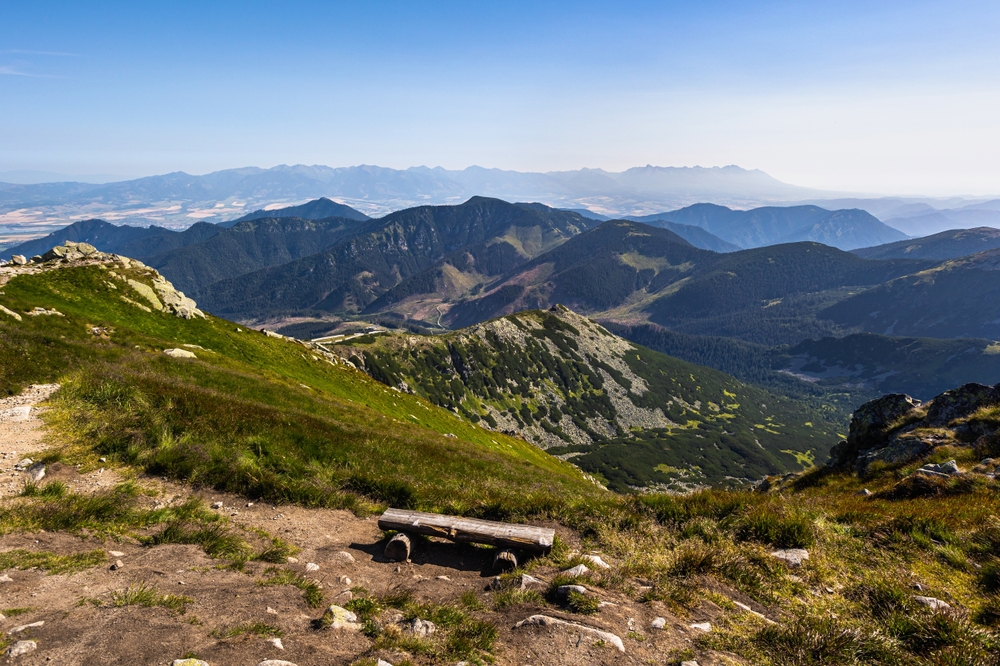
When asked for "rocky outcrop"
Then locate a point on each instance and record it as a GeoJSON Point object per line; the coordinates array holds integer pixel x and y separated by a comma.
{"type": "Point", "coordinates": [152, 287]}
{"type": "Point", "coordinates": [896, 429]}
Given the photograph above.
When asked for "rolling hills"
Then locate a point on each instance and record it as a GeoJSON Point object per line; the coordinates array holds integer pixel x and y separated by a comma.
{"type": "Point", "coordinates": [627, 414]}
{"type": "Point", "coordinates": [843, 229]}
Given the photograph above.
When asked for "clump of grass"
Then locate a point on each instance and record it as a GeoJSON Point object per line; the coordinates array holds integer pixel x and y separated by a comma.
{"type": "Point", "coordinates": [214, 538]}
{"type": "Point", "coordinates": [148, 596]}
{"type": "Point", "coordinates": [50, 562]}
{"type": "Point", "coordinates": [14, 612]}
{"type": "Point", "coordinates": [249, 628]}
{"type": "Point", "coordinates": [781, 527]}
{"type": "Point", "coordinates": [311, 592]}
{"type": "Point", "coordinates": [694, 558]}
{"type": "Point", "coordinates": [512, 596]}
{"type": "Point", "coordinates": [52, 490]}
{"type": "Point", "coordinates": [584, 604]}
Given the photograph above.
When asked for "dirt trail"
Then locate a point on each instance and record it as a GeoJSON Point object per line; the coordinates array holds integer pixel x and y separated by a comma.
{"type": "Point", "coordinates": [346, 549]}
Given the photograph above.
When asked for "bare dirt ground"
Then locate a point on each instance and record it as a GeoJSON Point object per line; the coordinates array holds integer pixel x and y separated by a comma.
{"type": "Point", "coordinates": [346, 549]}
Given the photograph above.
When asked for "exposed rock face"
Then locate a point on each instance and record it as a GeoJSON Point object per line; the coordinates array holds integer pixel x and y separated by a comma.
{"type": "Point", "coordinates": [896, 429]}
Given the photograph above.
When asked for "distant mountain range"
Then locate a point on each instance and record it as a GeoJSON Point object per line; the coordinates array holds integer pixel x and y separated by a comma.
{"type": "Point", "coordinates": [314, 210]}
{"type": "Point", "coordinates": [945, 245]}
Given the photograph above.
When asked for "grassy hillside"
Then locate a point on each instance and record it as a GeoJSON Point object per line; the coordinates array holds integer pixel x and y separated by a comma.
{"type": "Point", "coordinates": [257, 415]}
{"type": "Point", "coordinates": [631, 415]}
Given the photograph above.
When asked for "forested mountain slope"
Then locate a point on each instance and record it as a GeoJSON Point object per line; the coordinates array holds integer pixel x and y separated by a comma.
{"type": "Point", "coordinates": [633, 416]}
{"type": "Point", "coordinates": [350, 275]}
{"type": "Point", "coordinates": [136, 242]}
{"type": "Point", "coordinates": [945, 245]}
{"type": "Point", "coordinates": [318, 209]}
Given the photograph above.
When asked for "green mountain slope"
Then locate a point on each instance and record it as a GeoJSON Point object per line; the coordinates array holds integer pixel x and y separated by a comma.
{"type": "Point", "coordinates": [634, 416]}
{"type": "Point", "coordinates": [353, 273]}
{"type": "Point", "coordinates": [957, 299]}
{"type": "Point", "coordinates": [249, 246]}
{"type": "Point", "coordinates": [130, 241]}
{"type": "Point", "coordinates": [945, 245]}
{"type": "Point", "coordinates": [259, 415]}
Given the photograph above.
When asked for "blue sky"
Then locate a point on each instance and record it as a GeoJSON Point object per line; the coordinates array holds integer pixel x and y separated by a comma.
{"type": "Point", "coordinates": [874, 97]}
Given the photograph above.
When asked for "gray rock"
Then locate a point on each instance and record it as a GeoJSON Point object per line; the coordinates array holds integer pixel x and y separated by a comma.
{"type": "Point", "coordinates": [528, 582]}
{"type": "Point", "coordinates": [961, 402]}
{"type": "Point", "coordinates": [793, 557]}
{"type": "Point", "coordinates": [312, 566]}
{"type": "Point", "coordinates": [564, 590]}
{"type": "Point", "coordinates": [382, 662]}
{"type": "Point", "coordinates": [276, 642]}
{"type": "Point", "coordinates": [117, 565]}
{"type": "Point", "coordinates": [689, 663]}
{"type": "Point", "coordinates": [23, 464]}
{"type": "Point", "coordinates": [21, 647]}
{"type": "Point", "coordinates": [275, 662]}
{"type": "Point", "coordinates": [189, 662]}
{"type": "Point", "coordinates": [932, 603]}
{"type": "Point", "coordinates": [18, 259]}
{"type": "Point", "coordinates": [36, 472]}
{"type": "Point", "coordinates": [344, 556]}
{"type": "Point", "coordinates": [596, 561]}
{"type": "Point", "coordinates": [337, 617]}
{"type": "Point", "coordinates": [217, 505]}
{"type": "Point", "coordinates": [900, 450]}
{"type": "Point", "coordinates": [658, 623]}
{"type": "Point", "coordinates": [10, 312]}
{"type": "Point", "coordinates": [422, 628]}
{"type": "Point", "coordinates": [549, 621]}
{"type": "Point", "coordinates": [702, 626]}
{"type": "Point", "coordinates": [578, 570]}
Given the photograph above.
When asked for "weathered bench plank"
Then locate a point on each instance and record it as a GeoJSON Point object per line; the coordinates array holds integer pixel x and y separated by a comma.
{"type": "Point", "coordinates": [469, 530]}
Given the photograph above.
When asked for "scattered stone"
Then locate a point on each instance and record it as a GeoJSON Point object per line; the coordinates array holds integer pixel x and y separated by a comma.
{"type": "Point", "coordinates": [18, 259]}
{"type": "Point", "coordinates": [530, 581]}
{"type": "Point", "coordinates": [35, 312]}
{"type": "Point", "coordinates": [179, 353]}
{"type": "Point", "coordinates": [271, 611]}
{"type": "Point", "coordinates": [382, 662]}
{"type": "Point", "coordinates": [918, 587]}
{"type": "Point", "coordinates": [793, 557]}
{"type": "Point", "coordinates": [864, 492]}
{"type": "Point", "coordinates": [746, 608]}
{"type": "Point", "coordinates": [10, 312]}
{"type": "Point", "coordinates": [217, 505]}
{"type": "Point", "coordinates": [422, 628]}
{"type": "Point", "coordinates": [6, 579]}
{"type": "Point", "coordinates": [549, 621]}
{"type": "Point", "coordinates": [702, 626]}
{"type": "Point", "coordinates": [576, 571]}
{"type": "Point", "coordinates": [36, 472]}
{"type": "Point", "coordinates": [292, 560]}
{"type": "Point", "coordinates": [932, 603]}
{"type": "Point", "coordinates": [24, 627]}
{"type": "Point", "coordinates": [658, 623]}
{"type": "Point", "coordinates": [443, 578]}
{"type": "Point", "coordinates": [312, 566]}
{"type": "Point", "coordinates": [276, 642]}
{"type": "Point", "coordinates": [689, 663]}
{"type": "Point", "coordinates": [336, 617]}
{"type": "Point", "coordinates": [189, 662]}
{"type": "Point", "coordinates": [564, 590]}
{"type": "Point", "coordinates": [344, 580]}
{"type": "Point", "coordinates": [345, 556]}
{"type": "Point", "coordinates": [949, 468]}
{"type": "Point", "coordinates": [117, 565]}
{"type": "Point", "coordinates": [21, 647]}
{"type": "Point", "coordinates": [275, 662]}
{"type": "Point", "coordinates": [596, 561]}
{"type": "Point", "coordinates": [23, 464]}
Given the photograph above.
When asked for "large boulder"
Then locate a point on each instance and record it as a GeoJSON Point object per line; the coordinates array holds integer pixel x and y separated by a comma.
{"type": "Point", "coordinates": [961, 402]}
{"type": "Point", "coordinates": [871, 427]}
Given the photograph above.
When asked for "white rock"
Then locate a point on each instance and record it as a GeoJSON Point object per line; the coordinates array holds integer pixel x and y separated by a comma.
{"type": "Point", "coordinates": [292, 560]}
{"type": "Point", "coordinates": [275, 662]}
{"type": "Point", "coordinates": [382, 662]}
{"type": "Point", "coordinates": [578, 570]}
{"type": "Point", "coordinates": [36, 472]}
{"type": "Point", "coordinates": [702, 626]}
{"type": "Point", "coordinates": [564, 590]}
{"type": "Point", "coordinates": [689, 663]}
{"type": "Point", "coordinates": [549, 621]}
{"type": "Point", "coordinates": [271, 611]}
{"type": "Point", "coordinates": [596, 561]}
{"type": "Point", "coordinates": [21, 647]}
{"type": "Point", "coordinates": [24, 627]}
{"type": "Point", "coordinates": [344, 580]}
{"type": "Point", "coordinates": [793, 557]}
{"type": "Point", "coordinates": [276, 642]}
{"type": "Point", "coordinates": [6, 579]}
{"type": "Point", "coordinates": [116, 553]}
{"type": "Point", "coordinates": [337, 617]}
{"type": "Point", "coordinates": [189, 662]}
{"type": "Point", "coordinates": [345, 556]}
{"type": "Point", "coordinates": [217, 505]}
{"type": "Point", "coordinates": [443, 578]}
{"type": "Point", "coordinates": [658, 623]}
{"type": "Point", "coordinates": [530, 581]}
{"type": "Point", "coordinates": [179, 353]}
{"type": "Point", "coordinates": [932, 603]}
{"type": "Point", "coordinates": [312, 566]}
{"type": "Point", "coordinates": [753, 612]}
{"type": "Point", "coordinates": [423, 628]}
{"type": "Point", "coordinates": [23, 464]}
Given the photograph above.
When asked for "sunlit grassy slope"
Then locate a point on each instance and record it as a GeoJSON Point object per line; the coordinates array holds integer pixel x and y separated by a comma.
{"type": "Point", "coordinates": [263, 416]}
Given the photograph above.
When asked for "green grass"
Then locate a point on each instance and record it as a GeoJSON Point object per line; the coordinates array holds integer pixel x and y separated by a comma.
{"type": "Point", "coordinates": [248, 628]}
{"type": "Point", "coordinates": [311, 592]}
{"type": "Point", "coordinates": [148, 596]}
{"type": "Point", "coordinates": [50, 562]}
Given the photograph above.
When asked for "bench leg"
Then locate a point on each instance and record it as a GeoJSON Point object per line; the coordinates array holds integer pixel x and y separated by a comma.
{"type": "Point", "coordinates": [398, 548]}
{"type": "Point", "coordinates": [505, 560]}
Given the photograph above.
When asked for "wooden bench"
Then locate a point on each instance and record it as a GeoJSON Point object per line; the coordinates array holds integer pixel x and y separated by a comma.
{"type": "Point", "coordinates": [505, 536]}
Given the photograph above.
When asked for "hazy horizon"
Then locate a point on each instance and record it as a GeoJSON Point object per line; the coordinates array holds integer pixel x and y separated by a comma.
{"type": "Point", "coordinates": [898, 98]}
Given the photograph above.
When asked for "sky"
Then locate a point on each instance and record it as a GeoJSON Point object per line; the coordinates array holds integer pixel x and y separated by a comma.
{"type": "Point", "coordinates": [870, 97]}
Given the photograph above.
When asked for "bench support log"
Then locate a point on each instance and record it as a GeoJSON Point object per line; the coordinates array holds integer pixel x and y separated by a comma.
{"type": "Point", "coordinates": [505, 560]}
{"type": "Point", "coordinates": [398, 548]}
{"type": "Point", "coordinates": [469, 530]}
